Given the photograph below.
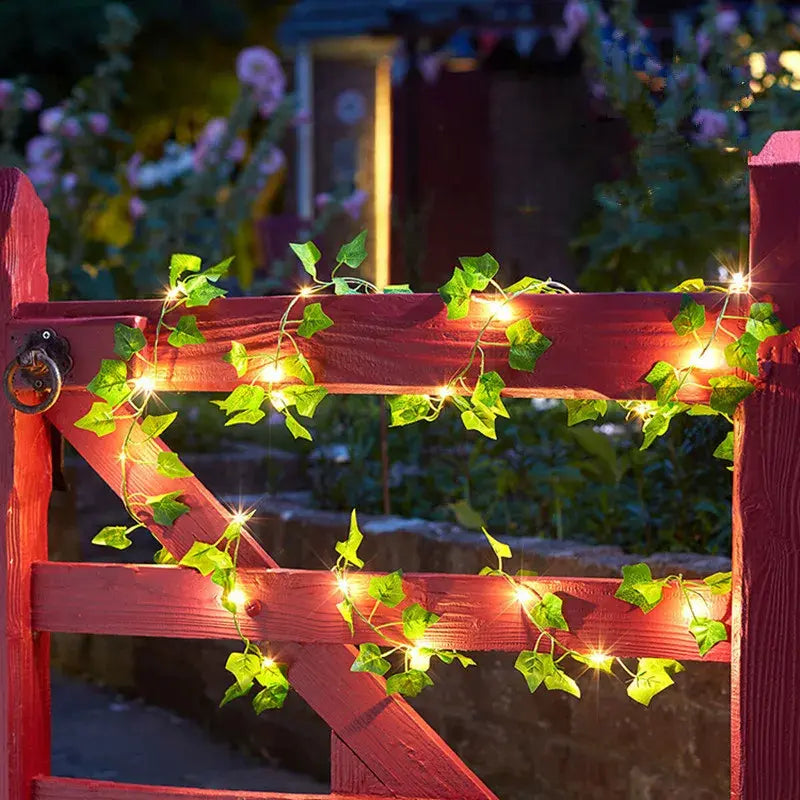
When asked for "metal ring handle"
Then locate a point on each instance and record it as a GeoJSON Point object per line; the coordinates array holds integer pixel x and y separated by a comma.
{"type": "Point", "coordinates": [54, 386]}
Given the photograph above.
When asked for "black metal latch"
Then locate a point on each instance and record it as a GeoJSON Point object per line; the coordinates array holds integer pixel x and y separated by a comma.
{"type": "Point", "coordinates": [41, 364]}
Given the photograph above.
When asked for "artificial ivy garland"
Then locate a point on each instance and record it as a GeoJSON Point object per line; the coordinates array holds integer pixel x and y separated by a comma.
{"type": "Point", "coordinates": [190, 286]}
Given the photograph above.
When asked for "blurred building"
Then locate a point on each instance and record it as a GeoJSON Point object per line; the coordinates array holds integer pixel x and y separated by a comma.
{"type": "Point", "coordinates": [467, 122]}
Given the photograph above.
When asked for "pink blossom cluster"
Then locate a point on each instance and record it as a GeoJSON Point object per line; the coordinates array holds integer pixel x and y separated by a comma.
{"type": "Point", "coordinates": [710, 124]}
{"type": "Point", "coordinates": [30, 100]}
{"type": "Point", "coordinates": [210, 138]}
{"type": "Point", "coordinates": [259, 68]}
{"type": "Point", "coordinates": [351, 205]}
{"type": "Point", "coordinates": [576, 18]}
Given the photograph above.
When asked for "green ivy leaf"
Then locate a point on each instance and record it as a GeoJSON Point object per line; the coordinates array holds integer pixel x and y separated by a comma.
{"type": "Point", "coordinates": [170, 466]}
{"type": "Point", "coordinates": [341, 286]}
{"type": "Point", "coordinates": [487, 390]}
{"type": "Point", "coordinates": [466, 515]}
{"type": "Point", "coordinates": [527, 345]}
{"type": "Point", "coordinates": [219, 270]}
{"type": "Point", "coordinates": [111, 382]}
{"type": "Point", "coordinates": [500, 549]}
{"type": "Point", "coordinates": [658, 424]}
{"type": "Point", "coordinates": [237, 357]}
{"type": "Point", "coordinates": [397, 288]}
{"type": "Point", "coordinates": [276, 687]}
{"type": "Point", "coordinates": [409, 683]}
{"type": "Point", "coordinates": [348, 549]}
{"type": "Point", "coordinates": [127, 341]}
{"type": "Point", "coordinates": [448, 656]}
{"type": "Point", "coordinates": [297, 366]}
{"type": "Point", "coordinates": [727, 392]}
{"type": "Point", "coordinates": [305, 398]}
{"type": "Point", "coordinates": [166, 508]}
{"type": "Point", "coordinates": [707, 632]}
{"type": "Point", "coordinates": [354, 252]}
{"type": "Point", "coordinates": [297, 430]}
{"type": "Point", "coordinates": [416, 620]}
{"type": "Point", "coordinates": [724, 449]}
{"type": "Point", "coordinates": [478, 270]}
{"type": "Point", "coordinates": [345, 608]}
{"type": "Point", "coordinates": [652, 677]}
{"type": "Point", "coordinates": [244, 667]}
{"type": "Point", "coordinates": [763, 322]}
{"type": "Point", "coordinates": [115, 536]}
{"type": "Point", "coordinates": [249, 417]}
{"type": "Point", "coordinates": [180, 263]}
{"type": "Point", "coordinates": [406, 409]}
{"type": "Point", "coordinates": [538, 668]}
{"type": "Point", "coordinates": [387, 589]}
{"type": "Point", "coordinates": [547, 613]}
{"type": "Point", "coordinates": [695, 285]}
{"type": "Point", "coordinates": [186, 332]}
{"type": "Point", "coordinates": [309, 255]}
{"type": "Point", "coordinates": [155, 424]}
{"type": "Point", "coordinates": [163, 556]}
{"type": "Point", "coordinates": [206, 558]}
{"type": "Point", "coordinates": [580, 410]}
{"type": "Point", "coordinates": [480, 418]}
{"type": "Point", "coordinates": [743, 354]}
{"type": "Point", "coordinates": [639, 588]}
{"type": "Point", "coordinates": [719, 582]}
{"type": "Point", "coordinates": [663, 378]}
{"type": "Point", "coordinates": [199, 292]}
{"type": "Point", "coordinates": [700, 410]}
{"type": "Point", "coordinates": [314, 320]}
{"type": "Point", "coordinates": [233, 692]}
{"type": "Point", "coordinates": [243, 398]}
{"type": "Point", "coordinates": [369, 659]}
{"type": "Point", "coordinates": [455, 294]}
{"type": "Point", "coordinates": [691, 317]}
{"type": "Point", "coordinates": [526, 285]}
{"type": "Point", "coordinates": [99, 419]}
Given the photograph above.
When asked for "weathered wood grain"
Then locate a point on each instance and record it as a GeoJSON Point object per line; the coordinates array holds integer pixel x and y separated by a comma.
{"type": "Point", "coordinates": [349, 774]}
{"type": "Point", "coordinates": [25, 482]}
{"type": "Point", "coordinates": [477, 613]}
{"type": "Point", "coordinates": [403, 752]}
{"type": "Point", "coordinates": [603, 344]}
{"type": "Point", "coordinates": [765, 669]}
{"type": "Point", "coordinates": [80, 789]}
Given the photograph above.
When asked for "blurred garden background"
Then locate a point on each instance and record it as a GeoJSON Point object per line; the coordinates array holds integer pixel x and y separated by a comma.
{"type": "Point", "coordinates": [603, 145]}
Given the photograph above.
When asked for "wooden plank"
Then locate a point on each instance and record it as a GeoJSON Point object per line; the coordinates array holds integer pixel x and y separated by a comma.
{"type": "Point", "coordinates": [477, 612]}
{"type": "Point", "coordinates": [765, 670]}
{"type": "Point", "coordinates": [403, 752]}
{"type": "Point", "coordinates": [91, 339]}
{"type": "Point", "coordinates": [349, 774]}
{"type": "Point", "coordinates": [80, 789]}
{"type": "Point", "coordinates": [603, 344]}
{"type": "Point", "coordinates": [25, 482]}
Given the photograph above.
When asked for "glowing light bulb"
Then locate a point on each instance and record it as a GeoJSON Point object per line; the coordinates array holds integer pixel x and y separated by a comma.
{"type": "Point", "coordinates": [418, 659]}
{"type": "Point", "coordinates": [739, 284]}
{"type": "Point", "coordinates": [597, 659]}
{"type": "Point", "coordinates": [267, 662]}
{"type": "Point", "coordinates": [693, 606]}
{"type": "Point", "coordinates": [343, 584]}
{"type": "Point", "coordinates": [272, 373]}
{"type": "Point", "coordinates": [524, 595]}
{"type": "Point", "coordinates": [173, 294]}
{"type": "Point", "coordinates": [237, 597]}
{"type": "Point", "coordinates": [444, 391]}
{"type": "Point", "coordinates": [239, 518]}
{"type": "Point", "coordinates": [122, 457]}
{"type": "Point", "coordinates": [710, 359]}
{"type": "Point", "coordinates": [642, 410]}
{"type": "Point", "coordinates": [144, 385]}
{"type": "Point", "coordinates": [501, 310]}
{"type": "Point", "coordinates": [305, 291]}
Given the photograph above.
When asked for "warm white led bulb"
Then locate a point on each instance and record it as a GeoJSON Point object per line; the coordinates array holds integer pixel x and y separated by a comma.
{"type": "Point", "coordinates": [267, 662]}
{"type": "Point", "coordinates": [706, 359]}
{"type": "Point", "coordinates": [272, 373]}
{"type": "Point", "coordinates": [501, 310]}
{"type": "Point", "coordinates": [343, 584]}
{"type": "Point", "coordinates": [740, 283]}
{"type": "Point", "coordinates": [417, 659]}
{"type": "Point", "coordinates": [144, 385]}
{"type": "Point", "coordinates": [524, 595]}
{"type": "Point", "coordinates": [237, 597]}
{"type": "Point", "coordinates": [597, 659]}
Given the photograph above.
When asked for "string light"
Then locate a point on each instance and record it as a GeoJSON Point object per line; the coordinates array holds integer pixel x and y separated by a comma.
{"type": "Point", "coordinates": [707, 358]}
{"type": "Point", "coordinates": [501, 310]}
{"type": "Point", "coordinates": [693, 607]}
{"type": "Point", "coordinates": [524, 595]}
{"type": "Point", "coordinates": [444, 391]}
{"type": "Point", "coordinates": [123, 457]}
{"type": "Point", "coordinates": [739, 284]}
{"type": "Point", "coordinates": [240, 518]}
{"type": "Point", "coordinates": [173, 294]}
{"type": "Point", "coordinates": [417, 659]}
{"type": "Point", "coordinates": [343, 584]}
{"type": "Point", "coordinates": [642, 410]}
{"type": "Point", "coordinates": [597, 659]}
{"type": "Point", "coordinates": [267, 662]}
{"type": "Point", "coordinates": [305, 291]}
{"type": "Point", "coordinates": [237, 597]}
{"type": "Point", "coordinates": [272, 373]}
{"type": "Point", "coordinates": [145, 385]}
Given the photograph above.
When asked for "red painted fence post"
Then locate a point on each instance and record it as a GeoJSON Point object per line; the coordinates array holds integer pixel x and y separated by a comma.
{"type": "Point", "coordinates": [765, 666]}
{"type": "Point", "coordinates": [25, 482]}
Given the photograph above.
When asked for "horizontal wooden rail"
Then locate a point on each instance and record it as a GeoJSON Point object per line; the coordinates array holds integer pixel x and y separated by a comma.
{"type": "Point", "coordinates": [603, 344]}
{"type": "Point", "coordinates": [477, 613]}
{"type": "Point", "coordinates": [80, 789]}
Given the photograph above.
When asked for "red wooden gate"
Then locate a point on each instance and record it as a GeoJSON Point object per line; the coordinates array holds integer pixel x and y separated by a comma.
{"type": "Point", "coordinates": [603, 345]}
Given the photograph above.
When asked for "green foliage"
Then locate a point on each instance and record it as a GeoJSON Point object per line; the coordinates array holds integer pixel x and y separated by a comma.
{"type": "Point", "coordinates": [387, 589]}
{"type": "Point", "coordinates": [348, 549]}
{"type": "Point", "coordinates": [639, 588]}
{"type": "Point", "coordinates": [690, 318]}
{"type": "Point", "coordinates": [206, 558]}
{"type": "Point", "coordinates": [369, 660]}
{"type": "Point", "coordinates": [416, 620]}
{"type": "Point", "coordinates": [99, 419]}
{"type": "Point", "coordinates": [539, 668]}
{"type": "Point", "coordinates": [186, 332]}
{"type": "Point", "coordinates": [166, 507]}
{"type": "Point", "coordinates": [527, 345]}
{"type": "Point", "coordinates": [170, 466]}
{"type": "Point", "coordinates": [727, 392]}
{"type": "Point", "coordinates": [719, 582]}
{"type": "Point", "coordinates": [354, 252]}
{"type": "Point", "coordinates": [409, 683]}
{"type": "Point", "coordinates": [115, 536]}
{"type": "Point", "coordinates": [652, 677]}
{"type": "Point", "coordinates": [707, 632]}
{"type": "Point", "coordinates": [582, 410]}
{"type": "Point", "coordinates": [155, 424]}
{"type": "Point", "coordinates": [127, 341]}
{"type": "Point", "coordinates": [314, 320]}
{"type": "Point", "coordinates": [547, 613]}
{"type": "Point", "coordinates": [111, 382]}
{"type": "Point", "coordinates": [309, 255]}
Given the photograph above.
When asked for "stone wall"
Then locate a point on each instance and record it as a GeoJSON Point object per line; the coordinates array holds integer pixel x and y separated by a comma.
{"type": "Point", "coordinates": [526, 747]}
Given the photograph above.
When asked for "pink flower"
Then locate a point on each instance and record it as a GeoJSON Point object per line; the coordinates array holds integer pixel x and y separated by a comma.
{"type": "Point", "coordinates": [322, 199]}
{"type": "Point", "coordinates": [576, 16]}
{"type": "Point", "coordinates": [132, 169]}
{"type": "Point", "coordinates": [726, 21]}
{"type": "Point", "coordinates": [703, 41]}
{"type": "Point", "coordinates": [69, 180]}
{"type": "Point", "coordinates": [711, 124]}
{"type": "Point", "coordinates": [31, 100]}
{"type": "Point", "coordinates": [273, 162]}
{"type": "Point", "coordinates": [6, 92]}
{"type": "Point", "coordinates": [238, 150]}
{"type": "Point", "coordinates": [50, 119]}
{"type": "Point", "coordinates": [43, 178]}
{"type": "Point", "coordinates": [352, 205]}
{"type": "Point", "coordinates": [137, 208]}
{"type": "Point", "coordinates": [99, 123]}
{"type": "Point", "coordinates": [563, 38]}
{"type": "Point", "coordinates": [43, 151]}
{"type": "Point", "coordinates": [70, 128]}
{"type": "Point", "coordinates": [260, 69]}
{"type": "Point", "coordinates": [210, 138]}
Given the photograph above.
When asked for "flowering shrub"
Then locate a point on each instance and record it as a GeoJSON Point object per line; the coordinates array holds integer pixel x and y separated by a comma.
{"type": "Point", "coordinates": [695, 105]}
{"type": "Point", "coordinates": [114, 212]}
